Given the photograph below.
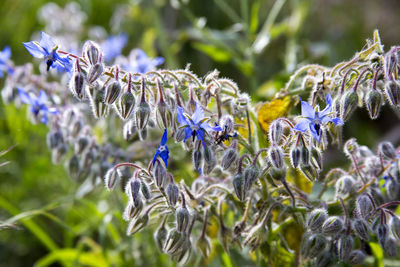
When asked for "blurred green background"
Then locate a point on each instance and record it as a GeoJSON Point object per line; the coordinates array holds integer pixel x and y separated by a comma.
{"type": "Point", "coordinates": [257, 43]}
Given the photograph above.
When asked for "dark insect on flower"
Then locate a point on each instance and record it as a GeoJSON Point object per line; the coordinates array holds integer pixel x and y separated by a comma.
{"type": "Point", "coordinates": [38, 104]}
{"type": "Point", "coordinates": [47, 49]}
{"type": "Point", "coordinates": [224, 136]}
{"type": "Point", "coordinates": [162, 149]}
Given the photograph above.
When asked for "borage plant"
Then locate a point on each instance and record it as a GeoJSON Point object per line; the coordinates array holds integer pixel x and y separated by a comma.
{"type": "Point", "coordinates": [251, 179]}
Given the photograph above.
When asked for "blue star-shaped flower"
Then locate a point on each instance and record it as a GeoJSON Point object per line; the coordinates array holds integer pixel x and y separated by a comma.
{"type": "Point", "coordinates": [314, 120]}
{"type": "Point", "coordinates": [38, 104]}
{"type": "Point", "coordinates": [196, 125]}
{"type": "Point", "coordinates": [162, 149]}
{"type": "Point", "coordinates": [139, 62]}
{"type": "Point", "coordinates": [47, 49]}
{"type": "Point", "coordinates": [4, 58]}
{"type": "Point", "coordinates": [113, 46]}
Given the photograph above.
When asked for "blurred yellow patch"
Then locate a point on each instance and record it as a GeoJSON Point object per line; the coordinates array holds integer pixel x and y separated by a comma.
{"type": "Point", "coordinates": [299, 180]}
{"type": "Point", "coordinates": [242, 130]}
{"type": "Point", "coordinates": [269, 111]}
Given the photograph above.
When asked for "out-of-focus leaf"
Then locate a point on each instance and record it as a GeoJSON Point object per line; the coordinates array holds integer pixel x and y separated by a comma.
{"type": "Point", "coordinates": [378, 253]}
{"type": "Point", "coordinates": [216, 53]}
{"type": "Point", "coordinates": [254, 21]}
{"type": "Point", "coordinates": [69, 256]}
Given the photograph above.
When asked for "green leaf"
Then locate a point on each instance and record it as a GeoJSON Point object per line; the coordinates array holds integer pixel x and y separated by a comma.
{"type": "Point", "coordinates": [378, 253]}
{"type": "Point", "coordinates": [254, 17]}
{"type": "Point", "coordinates": [214, 52]}
{"type": "Point", "coordinates": [72, 256]}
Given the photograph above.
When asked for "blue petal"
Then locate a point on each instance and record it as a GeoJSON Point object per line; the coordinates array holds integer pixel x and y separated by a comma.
{"type": "Point", "coordinates": [302, 126]}
{"type": "Point", "coordinates": [209, 128]}
{"type": "Point", "coordinates": [337, 121]}
{"type": "Point", "coordinates": [157, 61]}
{"type": "Point", "coordinates": [180, 117]}
{"type": "Point", "coordinates": [42, 98]}
{"type": "Point", "coordinates": [25, 97]}
{"type": "Point", "coordinates": [164, 156]}
{"type": "Point", "coordinates": [46, 42]}
{"type": "Point", "coordinates": [328, 107]}
{"type": "Point", "coordinates": [155, 156]}
{"type": "Point", "coordinates": [307, 110]}
{"type": "Point", "coordinates": [164, 138]}
{"type": "Point", "coordinates": [5, 54]}
{"type": "Point", "coordinates": [44, 118]}
{"type": "Point", "coordinates": [198, 114]}
{"type": "Point", "coordinates": [314, 132]}
{"type": "Point", "coordinates": [188, 133]}
{"type": "Point", "coordinates": [53, 110]}
{"type": "Point", "coordinates": [200, 135]}
{"type": "Point", "coordinates": [34, 49]}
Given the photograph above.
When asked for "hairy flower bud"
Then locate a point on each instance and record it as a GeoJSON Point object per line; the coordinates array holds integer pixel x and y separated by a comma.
{"type": "Point", "coordinates": [76, 84]}
{"type": "Point", "coordinates": [172, 191]}
{"type": "Point", "coordinates": [275, 155]}
{"type": "Point", "coordinates": [160, 236]}
{"type": "Point", "coordinates": [373, 102]}
{"type": "Point", "coordinates": [112, 92]}
{"type": "Point", "coordinates": [99, 108]}
{"type": "Point", "coordinates": [345, 185]}
{"type": "Point", "coordinates": [129, 130]}
{"type": "Point", "coordinates": [95, 71]}
{"type": "Point", "coordinates": [132, 190]}
{"type": "Point", "coordinates": [111, 179]}
{"type": "Point", "coordinates": [345, 246]}
{"type": "Point", "coordinates": [87, 158]}
{"type": "Point", "coordinates": [59, 153]}
{"type": "Point", "coordinates": [239, 186]}
{"type": "Point", "coordinates": [180, 135]}
{"type": "Point", "coordinates": [316, 158]}
{"type": "Point", "coordinates": [313, 245]}
{"type": "Point", "coordinates": [316, 218]}
{"type": "Point", "coordinates": [395, 227]}
{"type": "Point", "coordinates": [145, 190]}
{"type": "Point", "coordinates": [356, 257]}
{"type": "Point", "coordinates": [230, 157]}
{"type": "Point", "coordinates": [392, 189]}
{"type": "Point", "coordinates": [174, 241]}
{"type": "Point", "coordinates": [325, 259]}
{"type": "Point", "coordinates": [197, 157]}
{"type": "Point", "coordinates": [392, 90]}
{"type": "Point", "coordinates": [390, 247]}
{"type": "Point", "coordinates": [208, 154]}
{"type": "Point", "coordinates": [361, 229]}
{"type": "Point", "coordinates": [275, 132]}
{"type": "Point", "coordinates": [382, 232]}
{"type": "Point", "coordinates": [251, 174]}
{"type": "Point", "coordinates": [305, 157]}
{"type": "Point", "coordinates": [204, 245]}
{"type": "Point", "coordinates": [332, 226]}
{"type": "Point", "coordinates": [131, 211]}
{"type": "Point", "coordinates": [348, 104]}
{"type": "Point", "coordinates": [142, 114]}
{"type": "Point", "coordinates": [143, 134]}
{"type": "Point", "coordinates": [182, 219]}
{"type": "Point", "coordinates": [210, 165]}
{"type": "Point", "coordinates": [159, 174]}
{"type": "Point", "coordinates": [256, 236]}
{"type": "Point", "coordinates": [277, 173]}
{"type": "Point", "coordinates": [364, 206]}
{"type": "Point", "coordinates": [125, 105]}
{"type": "Point", "coordinates": [91, 51]}
{"type": "Point", "coordinates": [137, 224]}
{"type": "Point", "coordinates": [54, 138]}
{"type": "Point", "coordinates": [295, 156]}
{"type": "Point", "coordinates": [76, 127]}
{"type": "Point", "coordinates": [73, 166]}
{"type": "Point", "coordinates": [387, 150]}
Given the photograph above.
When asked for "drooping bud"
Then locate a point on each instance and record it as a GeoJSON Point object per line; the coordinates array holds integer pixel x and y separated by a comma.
{"type": "Point", "coordinates": [208, 154]}
{"type": "Point", "coordinates": [180, 135]}
{"type": "Point", "coordinates": [348, 104]}
{"type": "Point", "coordinates": [392, 90]}
{"type": "Point", "coordinates": [275, 131]}
{"type": "Point", "coordinates": [277, 173]}
{"type": "Point", "coordinates": [350, 147]}
{"type": "Point", "coordinates": [81, 144]}
{"type": "Point", "coordinates": [98, 107]}
{"type": "Point", "coordinates": [390, 247]}
{"type": "Point", "coordinates": [137, 224]}
{"type": "Point", "coordinates": [76, 127]}
{"type": "Point", "coordinates": [364, 206]}
{"type": "Point", "coordinates": [361, 228]}
{"type": "Point", "coordinates": [387, 150]}
{"type": "Point", "coordinates": [160, 236]}
{"type": "Point", "coordinates": [174, 241]}
{"type": "Point", "coordinates": [95, 71]}
{"type": "Point", "coordinates": [73, 166]}
{"type": "Point", "coordinates": [345, 185]}
{"type": "Point", "coordinates": [333, 226]}
{"type": "Point", "coordinates": [356, 257]}
{"type": "Point", "coordinates": [210, 165]}
{"type": "Point", "coordinates": [316, 158]}
{"type": "Point", "coordinates": [392, 189]}
{"type": "Point", "coordinates": [395, 227]}
{"type": "Point", "coordinates": [316, 218]}
{"type": "Point", "coordinates": [256, 236]}
{"type": "Point", "coordinates": [54, 138]}
{"type": "Point", "coordinates": [182, 219]}
{"type": "Point", "coordinates": [313, 245]}
{"type": "Point", "coordinates": [77, 82]}
{"type": "Point", "coordinates": [91, 51]}
{"type": "Point", "coordinates": [373, 102]}
{"type": "Point", "coordinates": [87, 158]}
{"type": "Point", "coordinates": [145, 190]}
{"type": "Point", "coordinates": [143, 110]}
{"type": "Point", "coordinates": [163, 113]}
{"type": "Point", "coordinates": [295, 156]}
{"type": "Point", "coordinates": [111, 179]}
{"type": "Point", "coordinates": [230, 157]}
{"type": "Point", "coordinates": [172, 191]}
{"type": "Point", "coordinates": [345, 246]}
{"type": "Point", "coordinates": [239, 186]}
{"type": "Point", "coordinates": [382, 233]}
{"type": "Point", "coordinates": [275, 155]}
{"type": "Point", "coordinates": [251, 174]}
{"type": "Point", "coordinates": [113, 91]}
{"type": "Point", "coordinates": [129, 130]}
{"type": "Point", "coordinates": [325, 259]}
{"type": "Point", "coordinates": [59, 153]}
{"type": "Point", "coordinates": [197, 157]}
{"type": "Point", "coordinates": [133, 189]}
{"type": "Point", "coordinates": [304, 157]}
{"type": "Point", "coordinates": [125, 105]}
{"type": "Point", "coordinates": [159, 174]}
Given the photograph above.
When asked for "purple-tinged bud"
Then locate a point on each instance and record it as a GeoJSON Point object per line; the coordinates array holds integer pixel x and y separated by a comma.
{"type": "Point", "coordinates": [172, 192]}
{"type": "Point", "coordinates": [142, 114]}
{"type": "Point", "coordinates": [125, 105]}
{"type": "Point", "coordinates": [348, 104]}
{"type": "Point", "coordinates": [304, 157]}
{"type": "Point", "coordinates": [137, 224]}
{"type": "Point", "coordinates": [180, 135]}
{"type": "Point", "coordinates": [392, 90]}
{"type": "Point", "coordinates": [392, 189]}
{"type": "Point", "coordinates": [95, 71]}
{"type": "Point", "coordinates": [230, 157]}
{"type": "Point", "coordinates": [73, 166]}
{"type": "Point", "coordinates": [54, 139]}
{"type": "Point", "coordinates": [316, 158]}
{"type": "Point", "coordinates": [182, 219]}
{"type": "Point", "coordinates": [197, 157]}
{"type": "Point", "coordinates": [325, 259]}
{"type": "Point", "coordinates": [373, 102]}
{"type": "Point", "coordinates": [159, 174]}
{"type": "Point", "coordinates": [87, 158]}
{"type": "Point", "coordinates": [91, 52]}
{"type": "Point", "coordinates": [132, 189]}
{"type": "Point", "coordinates": [345, 246]}
{"type": "Point", "coordinates": [275, 155]}
{"type": "Point", "coordinates": [205, 97]}
{"type": "Point", "coordinates": [77, 84]}
{"type": "Point", "coordinates": [160, 236]}
{"type": "Point", "coordinates": [59, 153]}
{"type": "Point", "coordinates": [315, 219]}
{"type": "Point", "coordinates": [395, 227]}
{"type": "Point", "coordinates": [295, 156]}
{"type": "Point", "coordinates": [351, 147]}
{"type": "Point", "coordinates": [111, 178]}
{"type": "Point", "coordinates": [387, 150]}
{"type": "Point", "coordinates": [275, 132]}
{"type": "Point", "coordinates": [345, 185]}
{"type": "Point", "coordinates": [129, 130]}
{"type": "Point", "coordinates": [251, 174]}
{"type": "Point", "coordinates": [277, 173]}
{"type": "Point", "coordinates": [313, 245]}
{"type": "Point", "coordinates": [174, 241]}
{"type": "Point", "coordinates": [208, 154]}
{"type": "Point", "coordinates": [356, 257]}
{"type": "Point", "coordinates": [333, 226]}
{"type": "Point", "coordinates": [81, 144]}
{"type": "Point", "coordinates": [145, 191]}
{"type": "Point", "coordinates": [99, 109]}
{"type": "Point", "coordinates": [382, 232]}
{"type": "Point", "coordinates": [390, 247]}
{"type": "Point", "coordinates": [131, 211]}
{"type": "Point", "coordinates": [76, 127]}
{"type": "Point", "coordinates": [113, 91]}
{"type": "Point", "coordinates": [364, 206]}
{"type": "Point", "coordinates": [210, 165]}
{"type": "Point", "coordinates": [239, 186]}
{"type": "Point", "coordinates": [361, 229]}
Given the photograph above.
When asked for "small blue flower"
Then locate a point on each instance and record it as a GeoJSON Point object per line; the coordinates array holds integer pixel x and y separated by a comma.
{"type": "Point", "coordinates": [314, 120]}
{"type": "Point", "coordinates": [4, 58]}
{"type": "Point", "coordinates": [196, 125]}
{"type": "Point", "coordinates": [386, 178]}
{"type": "Point", "coordinates": [139, 62]}
{"type": "Point", "coordinates": [113, 46]}
{"type": "Point", "coordinates": [47, 49]}
{"type": "Point", "coordinates": [38, 104]}
{"type": "Point", "coordinates": [162, 149]}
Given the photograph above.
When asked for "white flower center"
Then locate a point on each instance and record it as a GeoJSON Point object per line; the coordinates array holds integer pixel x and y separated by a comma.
{"type": "Point", "coordinates": [161, 148]}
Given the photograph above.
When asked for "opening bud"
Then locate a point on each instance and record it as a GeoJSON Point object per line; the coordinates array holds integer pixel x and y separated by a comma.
{"type": "Point", "coordinates": [131, 211]}
{"type": "Point", "coordinates": [373, 102]}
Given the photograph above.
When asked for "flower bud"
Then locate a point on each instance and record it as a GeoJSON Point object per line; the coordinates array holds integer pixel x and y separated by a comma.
{"type": "Point", "coordinates": [113, 91]}
{"type": "Point", "coordinates": [95, 71]}
{"type": "Point", "coordinates": [137, 224]}
{"type": "Point", "coordinates": [304, 157]}
{"type": "Point", "coordinates": [295, 156]}
{"type": "Point", "coordinates": [131, 211]}
{"type": "Point", "coordinates": [230, 156]}
{"type": "Point", "coordinates": [76, 85]}
{"type": "Point", "coordinates": [316, 218]}
{"type": "Point", "coordinates": [133, 189]}
{"type": "Point", "coordinates": [87, 158]}
{"type": "Point", "coordinates": [348, 104]}
{"type": "Point", "coordinates": [91, 51]}
{"type": "Point", "coordinates": [111, 178]}
{"type": "Point", "coordinates": [197, 159]}
{"type": "Point", "coordinates": [81, 144]}
{"type": "Point", "coordinates": [59, 153]}
{"type": "Point", "coordinates": [208, 154]}
{"type": "Point", "coordinates": [275, 155]}
{"type": "Point", "coordinates": [277, 173]}
{"type": "Point", "coordinates": [392, 189]}
{"type": "Point", "coordinates": [345, 246]}
{"type": "Point", "coordinates": [125, 105]}
{"type": "Point", "coordinates": [345, 185]}
{"type": "Point", "coordinates": [275, 132]}
{"type": "Point", "coordinates": [76, 127]}
{"type": "Point", "coordinates": [313, 245]}
{"type": "Point", "coordinates": [204, 245]}
{"type": "Point", "coordinates": [180, 135]}
{"type": "Point", "coordinates": [159, 174]}
{"type": "Point", "coordinates": [356, 257]}
{"type": "Point", "coordinates": [238, 186]}
{"type": "Point", "coordinates": [142, 114]}
{"type": "Point", "coordinates": [351, 146]}
{"type": "Point", "coordinates": [160, 236]}
{"type": "Point", "coordinates": [395, 227]}
{"type": "Point", "coordinates": [210, 165]}
{"type": "Point", "coordinates": [251, 174]}
{"type": "Point", "coordinates": [316, 158]}
{"type": "Point", "coordinates": [325, 259]}
{"type": "Point", "coordinates": [256, 236]}
{"type": "Point", "coordinates": [392, 90]}
{"type": "Point", "coordinates": [361, 229]}
{"type": "Point", "coordinates": [333, 226]}
{"type": "Point", "coordinates": [174, 241]}
{"type": "Point", "coordinates": [309, 172]}
{"type": "Point", "coordinates": [54, 138]}
{"type": "Point", "coordinates": [99, 109]}
{"type": "Point", "coordinates": [387, 150]}
{"type": "Point", "coordinates": [73, 166]}
{"type": "Point", "coordinates": [390, 247]}
{"type": "Point", "coordinates": [382, 232]}
{"type": "Point", "coordinates": [129, 130]}
{"type": "Point", "coordinates": [364, 206]}
{"type": "Point", "coordinates": [373, 102]}
{"type": "Point", "coordinates": [142, 134]}
{"type": "Point", "coordinates": [182, 219]}
{"type": "Point", "coordinates": [145, 191]}
{"type": "Point", "coordinates": [172, 191]}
